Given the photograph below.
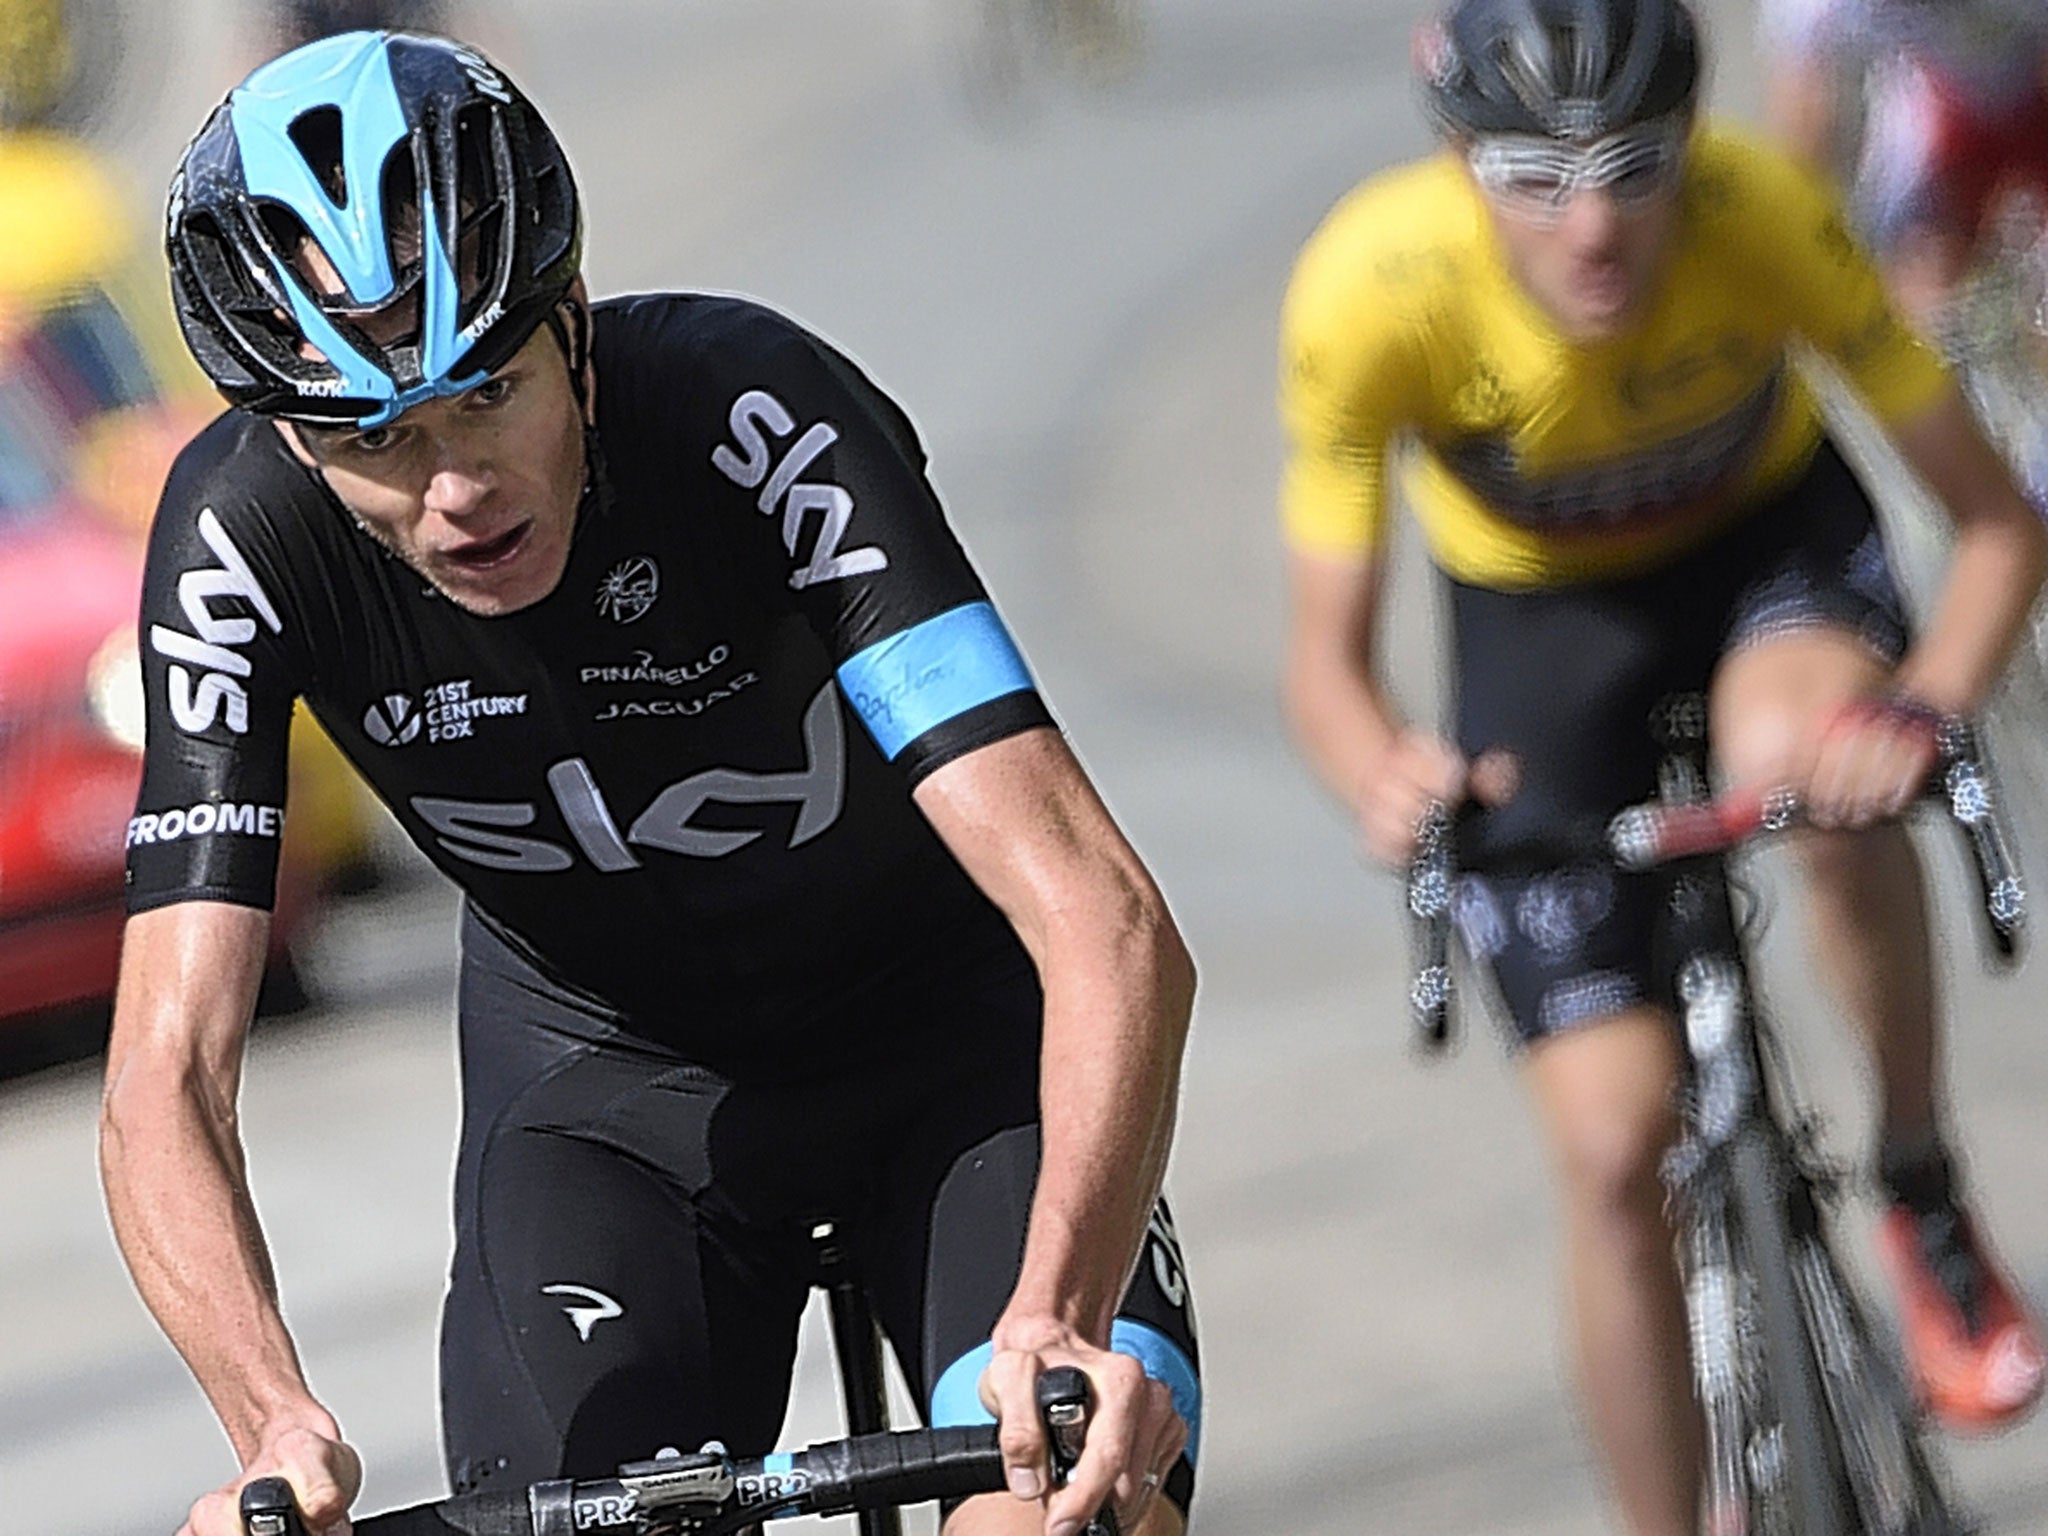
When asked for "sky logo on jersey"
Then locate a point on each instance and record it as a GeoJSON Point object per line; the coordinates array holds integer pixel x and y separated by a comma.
{"type": "Point", "coordinates": [629, 589]}
{"type": "Point", "coordinates": [479, 831]}
{"type": "Point", "coordinates": [752, 465]}
{"type": "Point", "coordinates": [204, 681]}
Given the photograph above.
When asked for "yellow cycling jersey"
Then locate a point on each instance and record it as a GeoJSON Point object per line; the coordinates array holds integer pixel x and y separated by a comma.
{"type": "Point", "coordinates": [1545, 461]}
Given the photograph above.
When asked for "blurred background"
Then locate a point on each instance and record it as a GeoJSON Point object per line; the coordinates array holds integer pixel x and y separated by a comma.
{"type": "Point", "coordinates": [1057, 230]}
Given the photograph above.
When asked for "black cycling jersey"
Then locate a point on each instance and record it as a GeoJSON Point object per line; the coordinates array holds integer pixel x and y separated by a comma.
{"type": "Point", "coordinates": [647, 782]}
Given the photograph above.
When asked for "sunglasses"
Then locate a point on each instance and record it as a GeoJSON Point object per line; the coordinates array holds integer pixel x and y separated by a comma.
{"type": "Point", "coordinates": [1537, 178]}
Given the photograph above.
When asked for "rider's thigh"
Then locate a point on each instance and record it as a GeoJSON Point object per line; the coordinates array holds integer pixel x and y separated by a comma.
{"type": "Point", "coordinates": [1607, 1090]}
{"type": "Point", "coordinates": [604, 1302]}
{"type": "Point", "coordinates": [1773, 696]}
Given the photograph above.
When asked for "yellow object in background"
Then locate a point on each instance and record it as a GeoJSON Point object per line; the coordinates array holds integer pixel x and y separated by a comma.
{"type": "Point", "coordinates": [36, 59]}
{"type": "Point", "coordinates": [98, 396]}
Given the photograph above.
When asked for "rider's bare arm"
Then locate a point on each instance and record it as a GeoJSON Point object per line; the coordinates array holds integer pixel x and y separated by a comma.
{"type": "Point", "coordinates": [178, 1192]}
{"type": "Point", "coordinates": [1335, 704]}
{"type": "Point", "coordinates": [2000, 558]}
{"type": "Point", "coordinates": [1026, 824]}
{"type": "Point", "coordinates": [1802, 106]}
{"type": "Point", "coordinates": [1384, 772]}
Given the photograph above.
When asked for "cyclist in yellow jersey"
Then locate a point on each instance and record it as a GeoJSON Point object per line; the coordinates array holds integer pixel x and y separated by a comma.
{"type": "Point", "coordinates": [1579, 317]}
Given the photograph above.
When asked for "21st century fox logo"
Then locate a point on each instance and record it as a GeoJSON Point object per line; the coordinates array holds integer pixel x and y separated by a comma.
{"type": "Point", "coordinates": [451, 712]}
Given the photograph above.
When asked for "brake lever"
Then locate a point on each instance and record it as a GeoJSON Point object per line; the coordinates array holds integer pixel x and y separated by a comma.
{"type": "Point", "coordinates": [1064, 1404]}
{"type": "Point", "coordinates": [268, 1509]}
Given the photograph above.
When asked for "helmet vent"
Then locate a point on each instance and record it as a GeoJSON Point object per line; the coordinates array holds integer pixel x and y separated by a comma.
{"type": "Point", "coordinates": [317, 135]}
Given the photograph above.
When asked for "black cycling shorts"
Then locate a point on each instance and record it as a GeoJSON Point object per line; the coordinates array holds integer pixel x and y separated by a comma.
{"type": "Point", "coordinates": [632, 1250]}
{"type": "Point", "coordinates": [1566, 678]}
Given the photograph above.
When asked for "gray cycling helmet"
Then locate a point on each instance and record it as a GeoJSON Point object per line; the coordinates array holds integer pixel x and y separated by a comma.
{"type": "Point", "coordinates": [1568, 69]}
{"type": "Point", "coordinates": [428, 188]}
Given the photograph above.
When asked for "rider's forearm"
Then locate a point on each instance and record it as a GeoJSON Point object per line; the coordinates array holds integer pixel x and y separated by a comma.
{"type": "Point", "coordinates": [1802, 110]}
{"type": "Point", "coordinates": [1996, 570]}
{"type": "Point", "coordinates": [1340, 716]}
{"type": "Point", "coordinates": [177, 1192]}
{"type": "Point", "coordinates": [1119, 987]}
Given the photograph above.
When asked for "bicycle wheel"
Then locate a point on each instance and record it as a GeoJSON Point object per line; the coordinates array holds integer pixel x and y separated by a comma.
{"type": "Point", "coordinates": [1743, 1492]}
{"type": "Point", "coordinates": [1773, 1204]}
{"type": "Point", "coordinates": [1898, 1489]}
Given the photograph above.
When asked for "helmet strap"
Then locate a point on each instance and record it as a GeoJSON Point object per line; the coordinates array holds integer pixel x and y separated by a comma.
{"type": "Point", "coordinates": [576, 349]}
{"type": "Point", "coordinates": [576, 353]}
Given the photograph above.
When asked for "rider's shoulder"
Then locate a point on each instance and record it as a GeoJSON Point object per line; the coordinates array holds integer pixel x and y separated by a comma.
{"type": "Point", "coordinates": [1738, 183]}
{"type": "Point", "coordinates": [708, 336]}
{"type": "Point", "coordinates": [238, 469]}
{"type": "Point", "coordinates": [238, 508]}
{"type": "Point", "coordinates": [1403, 243]}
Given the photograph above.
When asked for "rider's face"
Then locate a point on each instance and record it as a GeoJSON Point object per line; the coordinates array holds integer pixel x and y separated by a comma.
{"type": "Point", "coordinates": [477, 492]}
{"type": "Point", "coordinates": [1592, 253]}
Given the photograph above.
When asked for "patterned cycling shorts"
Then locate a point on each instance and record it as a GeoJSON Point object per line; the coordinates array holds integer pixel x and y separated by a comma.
{"type": "Point", "coordinates": [1567, 680]}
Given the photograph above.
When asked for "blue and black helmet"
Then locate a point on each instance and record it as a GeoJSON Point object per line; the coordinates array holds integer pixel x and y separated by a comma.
{"type": "Point", "coordinates": [367, 222]}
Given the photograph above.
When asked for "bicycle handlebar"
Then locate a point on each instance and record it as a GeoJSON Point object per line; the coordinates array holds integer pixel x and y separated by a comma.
{"type": "Point", "coordinates": [712, 1494]}
{"type": "Point", "coordinates": [1657, 833]}
{"type": "Point", "coordinates": [1646, 836]}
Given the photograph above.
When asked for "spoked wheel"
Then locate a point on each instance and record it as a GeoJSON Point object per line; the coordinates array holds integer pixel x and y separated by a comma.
{"type": "Point", "coordinates": [1897, 1487]}
{"type": "Point", "coordinates": [1775, 1215]}
{"type": "Point", "coordinates": [1810, 1431]}
{"type": "Point", "coordinates": [1744, 1491]}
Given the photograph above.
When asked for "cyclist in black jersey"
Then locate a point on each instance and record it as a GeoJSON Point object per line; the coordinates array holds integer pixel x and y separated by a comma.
{"type": "Point", "coordinates": [784, 897]}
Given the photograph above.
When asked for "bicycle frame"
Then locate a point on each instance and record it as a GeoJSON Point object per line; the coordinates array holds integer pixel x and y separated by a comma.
{"type": "Point", "coordinates": [857, 1346]}
{"type": "Point", "coordinates": [1742, 1145]}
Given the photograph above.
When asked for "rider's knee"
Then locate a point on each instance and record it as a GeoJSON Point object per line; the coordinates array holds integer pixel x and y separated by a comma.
{"type": "Point", "coordinates": [1611, 1166]}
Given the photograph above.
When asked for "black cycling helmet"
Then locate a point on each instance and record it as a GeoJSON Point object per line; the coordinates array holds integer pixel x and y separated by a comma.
{"type": "Point", "coordinates": [1566, 69]}
{"type": "Point", "coordinates": [432, 193]}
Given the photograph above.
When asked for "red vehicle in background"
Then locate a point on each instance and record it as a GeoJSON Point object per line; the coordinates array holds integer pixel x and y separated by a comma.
{"type": "Point", "coordinates": [95, 400]}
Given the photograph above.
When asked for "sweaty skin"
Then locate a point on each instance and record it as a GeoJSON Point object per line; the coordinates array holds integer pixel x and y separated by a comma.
{"type": "Point", "coordinates": [478, 493]}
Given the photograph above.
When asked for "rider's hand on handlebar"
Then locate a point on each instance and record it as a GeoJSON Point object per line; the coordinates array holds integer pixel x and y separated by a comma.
{"type": "Point", "coordinates": [325, 1473]}
{"type": "Point", "coordinates": [1134, 1435]}
{"type": "Point", "coordinates": [1414, 773]}
{"type": "Point", "coordinates": [1872, 761]}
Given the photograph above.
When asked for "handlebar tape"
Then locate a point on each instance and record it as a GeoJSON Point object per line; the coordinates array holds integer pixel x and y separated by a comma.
{"type": "Point", "coordinates": [1644, 836]}
{"type": "Point", "coordinates": [897, 1467]}
{"type": "Point", "coordinates": [475, 1514]}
